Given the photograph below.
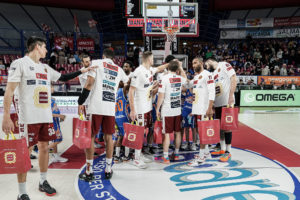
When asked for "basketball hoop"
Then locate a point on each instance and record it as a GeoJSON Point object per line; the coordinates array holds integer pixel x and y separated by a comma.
{"type": "Point", "coordinates": [171, 33]}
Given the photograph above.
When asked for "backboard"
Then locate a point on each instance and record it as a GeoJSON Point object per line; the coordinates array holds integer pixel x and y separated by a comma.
{"type": "Point", "coordinates": [163, 18]}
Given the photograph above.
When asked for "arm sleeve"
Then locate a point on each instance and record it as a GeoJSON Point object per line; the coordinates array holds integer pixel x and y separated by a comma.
{"type": "Point", "coordinates": [15, 72]}
{"type": "Point", "coordinates": [211, 87]}
{"type": "Point", "coordinates": [67, 77]}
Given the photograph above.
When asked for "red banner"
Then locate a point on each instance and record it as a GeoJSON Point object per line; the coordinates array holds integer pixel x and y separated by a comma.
{"type": "Point", "coordinates": [64, 41]}
{"type": "Point", "coordinates": [286, 21]}
{"type": "Point", "coordinates": [87, 44]}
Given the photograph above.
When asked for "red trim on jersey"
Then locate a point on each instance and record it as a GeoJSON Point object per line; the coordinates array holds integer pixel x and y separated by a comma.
{"type": "Point", "coordinates": [195, 82]}
{"type": "Point", "coordinates": [160, 85]}
{"type": "Point", "coordinates": [216, 76]}
{"type": "Point", "coordinates": [211, 81]}
{"type": "Point", "coordinates": [175, 80]}
{"type": "Point", "coordinates": [229, 68]}
{"type": "Point", "coordinates": [111, 67]}
{"type": "Point", "coordinates": [41, 76]}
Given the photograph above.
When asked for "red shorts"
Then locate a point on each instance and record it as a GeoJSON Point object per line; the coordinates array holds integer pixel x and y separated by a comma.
{"type": "Point", "coordinates": [145, 120]}
{"type": "Point", "coordinates": [42, 132]}
{"type": "Point", "coordinates": [171, 124]}
{"type": "Point", "coordinates": [107, 124]}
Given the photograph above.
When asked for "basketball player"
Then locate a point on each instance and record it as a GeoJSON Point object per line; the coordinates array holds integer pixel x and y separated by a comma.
{"type": "Point", "coordinates": [204, 96]}
{"type": "Point", "coordinates": [122, 116]}
{"type": "Point", "coordinates": [33, 79]}
{"type": "Point", "coordinates": [140, 98]}
{"type": "Point", "coordinates": [169, 98]}
{"type": "Point", "coordinates": [225, 82]}
{"type": "Point", "coordinates": [103, 84]}
{"type": "Point", "coordinates": [57, 117]}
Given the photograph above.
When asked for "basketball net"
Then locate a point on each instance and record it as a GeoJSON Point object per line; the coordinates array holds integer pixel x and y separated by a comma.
{"type": "Point", "coordinates": [171, 37]}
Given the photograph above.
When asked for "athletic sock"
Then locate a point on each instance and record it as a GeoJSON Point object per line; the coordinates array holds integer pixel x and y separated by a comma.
{"type": "Point", "coordinates": [89, 167]}
{"type": "Point", "coordinates": [43, 177]}
{"type": "Point", "coordinates": [127, 151]}
{"type": "Point", "coordinates": [108, 164]}
{"type": "Point", "coordinates": [201, 153]}
{"type": "Point", "coordinates": [118, 149]}
{"type": "Point", "coordinates": [137, 154]}
{"type": "Point", "coordinates": [176, 151]}
{"type": "Point", "coordinates": [223, 145]}
{"type": "Point", "coordinates": [228, 148]}
{"type": "Point", "coordinates": [22, 188]}
{"type": "Point", "coordinates": [166, 154]}
{"type": "Point", "coordinates": [206, 149]}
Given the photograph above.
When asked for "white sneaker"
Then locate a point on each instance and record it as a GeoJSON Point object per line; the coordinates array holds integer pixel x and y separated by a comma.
{"type": "Point", "coordinates": [145, 159]}
{"type": "Point", "coordinates": [140, 164]}
{"type": "Point", "coordinates": [196, 162]}
{"type": "Point", "coordinates": [193, 147]}
{"type": "Point", "coordinates": [207, 156]}
{"type": "Point", "coordinates": [184, 146]}
{"type": "Point", "coordinates": [57, 158]}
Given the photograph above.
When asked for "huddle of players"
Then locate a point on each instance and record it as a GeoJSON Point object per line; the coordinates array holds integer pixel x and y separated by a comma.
{"type": "Point", "coordinates": [109, 105]}
{"type": "Point", "coordinates": [33, 80]}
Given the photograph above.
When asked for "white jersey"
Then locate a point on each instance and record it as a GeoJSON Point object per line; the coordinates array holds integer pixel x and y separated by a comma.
{"type": "Point", "coordinates": [34, 91]}
{"type": "Point", "coordinates": [204, 91]}
{"type": "Point", "coordinates": [103, 95]}
{"type": "Point", "coordinates": [142, 80]}
{"type": "Point", "coordinates": [222, 76]}
{"type": "Point", "coordinates": [82, 79]}
{"type": "Point", "coordinates": [171, 86]}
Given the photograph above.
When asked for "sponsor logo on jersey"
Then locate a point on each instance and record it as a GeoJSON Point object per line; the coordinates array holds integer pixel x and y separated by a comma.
{"type": "Point", "coordinates": [109, 83]}
{"type": "Point", "coordinates": [173, 85]}
{"type": "Point", "coordinates": [175, 94]}
{"type": "Point", "coordinates": [31, 68]}
{"type": "Point", "coordinates": [43, 97]}
{"type": "Point", "coordinates": [31, 82]}
{"type": "Point", "coordinates": [111, 67]}
{"type": "Point", "coordinates": [175, 80]}
{"type": "Point", "coordinates": [109, 77]}
{"type": "Point", "coordinates": [146, 85]}
{"type": "Point", "coordinates": [108, 87]}
{"type": "Point", "coordinates": [108, 96]}
{"type": "Point", "coordinates": [40, 82]}
{"type": "Point", "coordinates": [175, 104]}
{"type": "Point", "coordinates": [210, 81]}
{"type": "Point", "coordinates": [41, 76]}
{"type": "Point", "coordinates": [113, 73]}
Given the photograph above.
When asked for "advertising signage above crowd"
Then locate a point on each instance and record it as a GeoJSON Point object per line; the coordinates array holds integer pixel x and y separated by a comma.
{"type": "Point", "coordinates": [262, 33]}
{"type": "Point", "coordinates": [82, 43]}
{"type": "Point", "coordinates": [260, 22]}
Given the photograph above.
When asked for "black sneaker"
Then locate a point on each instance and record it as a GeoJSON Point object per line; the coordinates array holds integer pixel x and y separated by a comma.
{"type": "Point", "coordinates": [108, 175]}
{"type": "Point", "coordinates": [45, 187]}
{"type": "Point", "coordinates": [117, 159]}
{"type": "Point", "coordinates": [23, 197]}
{"type": "Point", "coordinates": [126, 158]}
{"type": "Point", "coordinates": [152, 150]}
{"type": "Point", "coordinates": [86, 177]}
{"type": "Point", "coordinates": [32, 156]}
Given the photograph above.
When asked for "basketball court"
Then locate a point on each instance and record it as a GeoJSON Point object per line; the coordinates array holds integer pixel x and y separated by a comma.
{"type": "Point", "coordinates": [265, 161]}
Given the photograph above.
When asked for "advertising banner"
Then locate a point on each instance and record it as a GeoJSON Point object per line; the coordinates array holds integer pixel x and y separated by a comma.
{"type": "Point", "coordinates": [233, 34]}
{"type": "Point", "coordinates": [287, 32]}
{"type": "Point", "coordinates": [279, 80]}
{"type": "Point", "coordinates": [230, 23]}
{"type": "Point", "coordinates": [259, 22]}
{"type": "Point", "coordinates": [270, 98]}
{"type": "Point", "coordinates": [260, 33]}
{"type": "Point", "coordinates": [87, 44]}
{"type": "Point", "coordinates": [246, 79]}
{"type": "Point", "coordinates": [64, 41]}
{"type": "Point", "coordinates": [286, 21]}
